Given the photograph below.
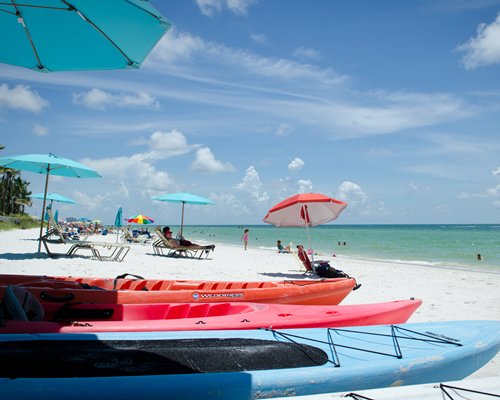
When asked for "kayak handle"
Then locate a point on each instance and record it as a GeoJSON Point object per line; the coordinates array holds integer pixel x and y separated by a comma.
{"type": "Point", "coordinates": [63, 299]}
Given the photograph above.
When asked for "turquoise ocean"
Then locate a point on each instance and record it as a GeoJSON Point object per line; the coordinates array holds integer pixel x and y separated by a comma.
{"type": "Point", "coordinates": [436, 245]}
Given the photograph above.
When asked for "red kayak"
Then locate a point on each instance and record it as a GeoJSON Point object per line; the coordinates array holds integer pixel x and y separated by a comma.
{"type": "Point", "coordinates": [123, 290]}
{"type": "Point", "coordinates": [34, 317]}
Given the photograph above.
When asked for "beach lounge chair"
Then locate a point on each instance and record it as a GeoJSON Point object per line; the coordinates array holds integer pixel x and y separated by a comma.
{"type": "Point", "coordinates": [115, 251]}
{"type": "Point", "coordinates": [164, 247]}
{"type": "Point", "coordinates": [309, 266]}
{"type": "Point", "coordinates": [317, 267]}
{"type": "Point", "coordinates": [129, 238]}
{"type": "Point", "coordinates": [304, 259]}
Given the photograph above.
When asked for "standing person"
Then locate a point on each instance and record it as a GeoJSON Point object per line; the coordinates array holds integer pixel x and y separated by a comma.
{"type": "Point", "coordinates": [245, 238]}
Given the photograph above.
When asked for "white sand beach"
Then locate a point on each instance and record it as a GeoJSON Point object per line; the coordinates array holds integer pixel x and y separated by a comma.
{"type": "Point", "coordinates": [447, 293]}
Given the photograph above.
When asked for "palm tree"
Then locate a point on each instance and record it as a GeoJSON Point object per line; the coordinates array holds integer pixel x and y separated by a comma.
{"type": "Point", "coordinates": [14, 193]}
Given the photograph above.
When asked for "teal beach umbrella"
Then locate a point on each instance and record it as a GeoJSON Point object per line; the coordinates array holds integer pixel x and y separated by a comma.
{"type": "Point", "coordinates": [118, 218]}
{"type": "Point", "coordinates": [48, 164]}
{"type": "Point", "coordinates": [118, 221]}
{"type": "Point", "coordinates": [184, 198]}
{"type": "Point", "coordinates": [68, 35]}
{"type": "Point", "coordinates": [53, 197]}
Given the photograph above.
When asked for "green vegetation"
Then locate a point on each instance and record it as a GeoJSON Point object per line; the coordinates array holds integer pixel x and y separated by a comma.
{"type": "Point", "coordinates": [19, 221]}
{"type": "Point", "coordinates": [14, 193]}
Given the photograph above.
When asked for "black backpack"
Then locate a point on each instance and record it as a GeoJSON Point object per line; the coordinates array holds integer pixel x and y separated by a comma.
{"type": "Point", "coordinates": [324, 270]}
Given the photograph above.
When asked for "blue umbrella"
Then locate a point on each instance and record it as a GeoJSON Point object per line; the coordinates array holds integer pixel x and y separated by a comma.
{"type": "Point", "coordinates": [48, 164]}
{"type": "Point", "coordinates": [60, 35]}
{"type": "Point", "coordinates": [184, 198]}
{"type": "Point", "coordinates": [53, 197]}
{"type": "Point", "coordinates": [56, 216]}
{"type": "Point", "coordinates": [118, 218]}
{"type": "Point", "coordinates": [118, 221]}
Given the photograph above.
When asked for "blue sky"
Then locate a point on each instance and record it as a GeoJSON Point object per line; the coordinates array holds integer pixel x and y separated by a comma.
{"type": "Point", "coordinates": [392, 106]}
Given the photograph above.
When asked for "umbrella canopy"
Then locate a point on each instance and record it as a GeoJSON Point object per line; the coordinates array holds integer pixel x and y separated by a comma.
{"type": "Point", "coordinates": [184, 198]}
{"type": "Point", "coordinates": [60, 35]}
{"type": "Point", "coordinates": [140, 219]}
{"type": "Point", "coordinates": [53, 197]}
{"type": "Point", "coordinates": [118, 218]}
{"type": "Point", "coordinates": [307, 209]}
{"type": "Point", "coordinates": [118, 221]}
{"type": "Point", "coordinates": [48, 164]}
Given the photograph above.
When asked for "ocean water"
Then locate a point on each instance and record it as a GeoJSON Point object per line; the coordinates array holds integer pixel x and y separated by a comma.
{"type": "Point", "coordinates": [437, 245]}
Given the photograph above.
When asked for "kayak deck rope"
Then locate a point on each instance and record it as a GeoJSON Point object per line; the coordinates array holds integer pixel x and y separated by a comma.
{"type": "Point", "coordinates": [396, 332]}
{"type": "Point", "coordinates": [443, 388]}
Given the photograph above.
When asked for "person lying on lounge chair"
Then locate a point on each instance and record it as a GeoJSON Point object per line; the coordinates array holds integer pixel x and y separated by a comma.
{"type": "Point", "coordinates": [183, 242]}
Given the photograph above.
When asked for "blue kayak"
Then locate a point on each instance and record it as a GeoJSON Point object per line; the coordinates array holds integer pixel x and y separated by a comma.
{"type": "Point", "coordinates": [247, 364]}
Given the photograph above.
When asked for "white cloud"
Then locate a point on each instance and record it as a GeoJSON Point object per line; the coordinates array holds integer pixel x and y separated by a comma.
{"type": "Point", "coordinates": [230, 204]}
{"type": "Point", "coordinates": [352, 194]}
{"type": "Point", "coordinates": [206, 163]}
{"type": "Point", "coordinates": [304, 52]}
{"type": "Point", "coordinates": [496, 171]}
{"type": "Point", "coordinates": [178, 47]}
{"type": "Point", "coordinates": [258, 38]}
{"type": "Point", "coordinates": [492, 193]}
{"type": "Point", "coordinates": [209, 7]}
{"type": "Point", "coordinates": [305, 186]}
{"type": "Point", "coordinates": [40, 130]}
{"type": "Point", "coordinates": [251, 184]}
{"type": "Point", "coordinates": [21, 97]}
{"type": "Point", "coordinates": [284, 129]}
{"type": "Point", "coordinates": [98, 99]}
{"type": "Point", "coordinates": [238, 7]}
{"type": "Point", "coordinates": [296, 164]}
{"type": "Point", "coordinates": [484, 48]}
{"type": "Point", "coordinates": [417, 189]}
{"type": "Point", "coordinates": [168, 144]}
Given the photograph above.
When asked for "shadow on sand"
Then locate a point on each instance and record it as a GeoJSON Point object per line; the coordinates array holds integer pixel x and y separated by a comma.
{"type": "Point", "coordinates": [287, 276]}
{"type": "Point", "coordinates": [23, 256]}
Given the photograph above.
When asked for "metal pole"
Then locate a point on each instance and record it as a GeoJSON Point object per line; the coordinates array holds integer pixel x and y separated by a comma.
{"type": "Point", "coordinates": [43, 208]}
{"type": "Point", "coordinates": [182, 218]}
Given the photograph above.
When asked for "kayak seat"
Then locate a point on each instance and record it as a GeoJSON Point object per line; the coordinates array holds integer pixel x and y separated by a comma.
{"type": "Point", "coordinates": [20, 305]}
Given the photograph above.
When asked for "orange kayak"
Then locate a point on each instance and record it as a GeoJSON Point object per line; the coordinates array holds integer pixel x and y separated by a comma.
{"type": "Point", "coordinates": [122, 290]}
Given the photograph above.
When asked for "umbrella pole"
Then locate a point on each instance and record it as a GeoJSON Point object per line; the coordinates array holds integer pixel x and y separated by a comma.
{"type": "Point", "coordinates": [182, 217]}
{"type": "Point", "coordinates": [43, 208]}
{"type": "Point", "coordinates": [48, 220]}
{"type": "Point", "coordinates": [309, 242]}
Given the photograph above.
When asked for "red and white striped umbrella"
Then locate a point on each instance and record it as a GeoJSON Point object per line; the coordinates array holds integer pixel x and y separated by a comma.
{"type": "Point", "coordinates": [307, 209]}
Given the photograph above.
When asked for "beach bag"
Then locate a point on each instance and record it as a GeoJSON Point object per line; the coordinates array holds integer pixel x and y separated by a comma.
{"type": "Point", "coordinates": [324, 270]}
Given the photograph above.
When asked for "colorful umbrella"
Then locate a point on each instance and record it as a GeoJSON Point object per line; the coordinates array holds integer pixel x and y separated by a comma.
{"type": "Point", "coordinates": [307, 209]}
{"type": "Point", "coordinates": [184, 198]}
{"type": "Point", "coordinates": [48, 164]}
{"type": "Point", "coordinates": [60, 35]}
{"type": "Point", "coordinates": [140, 219]}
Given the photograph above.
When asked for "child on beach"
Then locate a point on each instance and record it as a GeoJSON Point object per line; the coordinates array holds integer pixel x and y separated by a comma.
{"type": "Point", "coordinates": [245, 238]}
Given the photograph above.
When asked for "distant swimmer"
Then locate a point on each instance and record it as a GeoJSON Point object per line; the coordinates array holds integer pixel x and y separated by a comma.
{"type": "Point", "coordinates": [479, 257]}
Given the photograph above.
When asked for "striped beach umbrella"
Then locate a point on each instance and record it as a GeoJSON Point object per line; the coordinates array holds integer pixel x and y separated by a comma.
{"type": "Point", "coordinates": [140, 219]}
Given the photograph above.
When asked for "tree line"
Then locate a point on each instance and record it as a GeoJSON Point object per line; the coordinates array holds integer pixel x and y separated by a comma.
{"type": "Point", "coordinates": [14, 192]}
